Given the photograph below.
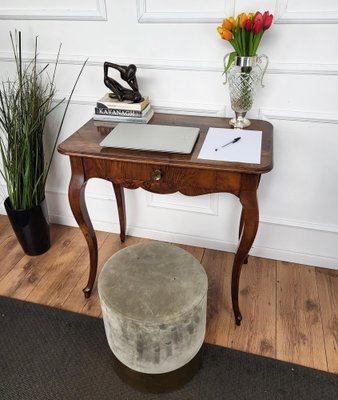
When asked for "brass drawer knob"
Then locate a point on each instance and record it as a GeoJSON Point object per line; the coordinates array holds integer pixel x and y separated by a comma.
{"type": "Point", "coordinates": [156, 175]}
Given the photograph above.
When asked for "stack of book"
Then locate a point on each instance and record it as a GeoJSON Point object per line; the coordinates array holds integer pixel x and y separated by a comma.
{"type": "Point", "coordinates": [112, 110]}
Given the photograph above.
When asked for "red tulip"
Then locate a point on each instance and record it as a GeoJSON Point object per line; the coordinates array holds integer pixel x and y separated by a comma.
{"type": "Point", "coordinates": [267, 20]}
{"type": "Point", "coordinates": [258, 17]}
{"type": "Point", "coordinates": [257, 26]}
{"type": "Point", "coordinates": [248, 25]}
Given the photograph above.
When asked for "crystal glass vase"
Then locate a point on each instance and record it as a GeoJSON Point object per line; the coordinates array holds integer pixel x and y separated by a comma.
{"type": "Point", "coordinates": [244, 75]}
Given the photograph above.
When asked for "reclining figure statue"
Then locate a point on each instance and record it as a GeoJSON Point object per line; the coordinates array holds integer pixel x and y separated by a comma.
{"type": "Point", "coordinates": [128, 74]}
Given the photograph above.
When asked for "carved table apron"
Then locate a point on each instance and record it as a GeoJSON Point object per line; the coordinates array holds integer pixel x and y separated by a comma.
{"type": "Point", "coordinates": [165, 173]}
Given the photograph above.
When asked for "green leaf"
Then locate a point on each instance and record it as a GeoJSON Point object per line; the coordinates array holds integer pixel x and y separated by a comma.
{"type": "Point", "coordinates": [231, 60]}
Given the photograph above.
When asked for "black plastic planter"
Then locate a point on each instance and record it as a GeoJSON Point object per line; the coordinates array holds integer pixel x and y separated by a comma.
{"type": "Point", "coordinates": [31, 227]}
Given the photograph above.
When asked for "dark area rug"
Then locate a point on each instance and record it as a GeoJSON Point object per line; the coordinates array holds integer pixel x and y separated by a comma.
{"type": "Point", "coordinates": [46, 353]}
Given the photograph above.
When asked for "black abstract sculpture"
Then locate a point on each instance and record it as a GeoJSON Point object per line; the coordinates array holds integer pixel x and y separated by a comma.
{"type": "Point", "coordinates": [128, 74]}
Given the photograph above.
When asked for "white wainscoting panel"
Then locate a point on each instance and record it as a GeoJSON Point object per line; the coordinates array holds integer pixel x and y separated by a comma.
{"type": "Point", "coordinates": [184, 11]}
{"type": "Point", "coordinates": [83, 10]}
{"type": "Point", "coordinates": [306, 12]}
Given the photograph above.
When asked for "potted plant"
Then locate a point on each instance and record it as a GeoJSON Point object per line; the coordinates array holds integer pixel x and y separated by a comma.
{"type": "Point", "coordinates": [25, 103]}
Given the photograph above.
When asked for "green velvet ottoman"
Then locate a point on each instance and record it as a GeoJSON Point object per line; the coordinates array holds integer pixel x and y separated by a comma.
{"type": "Point", "coordinates": [153, 298]}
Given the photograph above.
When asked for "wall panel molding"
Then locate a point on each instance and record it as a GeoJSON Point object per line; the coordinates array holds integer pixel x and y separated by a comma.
{"type": "Point", "coordinates": [209, 205]}
{"type": "Point", "coordinates": [281, 68]}
{"type": "Point", "coordinates": [46, 10]}
{"type": "Point", "coordinates": [298, 224]}
{"type": "Point", "coordinates": [286, 15]}
{"type": "Point", "coordinates": [298, 116]}
{"type": "Point", "coordinates": [162, 106]}
{"type": "Point", "coordinates": [185, 15]}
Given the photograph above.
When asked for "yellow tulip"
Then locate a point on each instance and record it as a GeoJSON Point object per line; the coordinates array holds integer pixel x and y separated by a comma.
{"type": "Point", "coordinates": [233, 21]}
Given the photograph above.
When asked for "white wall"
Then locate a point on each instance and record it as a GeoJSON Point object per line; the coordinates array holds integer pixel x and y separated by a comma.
{"type": "Point", "coordinates": [179, 57]}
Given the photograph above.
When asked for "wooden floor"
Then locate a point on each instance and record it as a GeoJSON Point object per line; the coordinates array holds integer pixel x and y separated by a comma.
{"type": "Point", "coordinates": [290, 311]}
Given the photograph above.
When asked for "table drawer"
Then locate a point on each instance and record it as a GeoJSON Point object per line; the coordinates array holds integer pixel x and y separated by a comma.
{"type": "Point", "coordinates": [163, 178]}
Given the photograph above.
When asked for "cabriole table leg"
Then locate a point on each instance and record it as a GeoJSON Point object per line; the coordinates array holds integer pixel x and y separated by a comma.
{"type": "Point", "coordinates": [119, 195]}
{"type": "Point", "coordinates": [76, 194]}
{"type": "Point", "coordinates": [250, 220]}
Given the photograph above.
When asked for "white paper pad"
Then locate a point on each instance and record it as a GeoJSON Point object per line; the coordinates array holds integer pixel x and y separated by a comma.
{"type": "Point", "coordinates": [246, 150]}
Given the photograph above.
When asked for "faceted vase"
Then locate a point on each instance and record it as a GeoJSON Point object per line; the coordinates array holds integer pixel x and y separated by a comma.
{"type": "Point", "coordinates": [244, 76]}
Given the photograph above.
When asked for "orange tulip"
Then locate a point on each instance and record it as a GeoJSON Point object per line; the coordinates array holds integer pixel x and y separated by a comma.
{"type": "Point", "coordinates": [242, 19]}
{"type": "Point", "coordinates": [227, 24]}
{"type": "Point", "coordinates": [226, 34]}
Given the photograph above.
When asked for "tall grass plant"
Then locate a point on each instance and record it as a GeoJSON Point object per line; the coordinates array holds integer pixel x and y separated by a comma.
{"type": "Point", "coordinates": [25, 104]}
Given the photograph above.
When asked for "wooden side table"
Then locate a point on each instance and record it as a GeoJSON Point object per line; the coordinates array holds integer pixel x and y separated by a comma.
{"type": "Point", "coordinates": [166, 173]}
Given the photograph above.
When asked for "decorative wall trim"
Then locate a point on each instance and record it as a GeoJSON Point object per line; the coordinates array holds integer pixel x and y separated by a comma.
{"type": "Point", "coordinates": [285, 15]}
{"type": "Point", "coordinates": [210, 207]}
{"type": "Point", "coordinates": [299, 116]}
{"type": "Point", "coordinates": [299, 224]}
{"type": "Point", "coordinates": [180, 65]}
{"type": "Point", "coordinates": [162, 106]}
{"type": "Point", "coordinates": [145, 15]}
{"type": "Point", "coordinates": [294, 256]}
{"type": "Point", "coordinates": [302, 69]}
{"type": "Point", "coordinates": [73, 11]}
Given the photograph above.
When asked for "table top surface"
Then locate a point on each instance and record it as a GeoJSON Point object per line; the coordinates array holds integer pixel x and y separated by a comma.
{"type": "Point", "coordinates": [85, 143]}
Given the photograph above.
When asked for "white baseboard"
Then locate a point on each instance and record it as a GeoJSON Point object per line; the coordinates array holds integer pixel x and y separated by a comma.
{"type": "Point", "coordinates": [211, 243]}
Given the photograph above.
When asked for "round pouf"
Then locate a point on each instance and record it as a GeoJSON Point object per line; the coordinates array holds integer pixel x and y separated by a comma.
{"type": "Point", "coordinates": [153, 298]}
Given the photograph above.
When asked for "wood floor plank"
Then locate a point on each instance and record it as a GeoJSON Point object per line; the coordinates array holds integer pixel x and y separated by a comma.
{"type": "Point", "coordinates": [217, 265]}
{"type": "Point", "coordinates": [6, 229]}
{"type": "Point", "coordinates": [68, 277]}
{"type": "Point", "coordinates": [299, 326]}
{"type": "Point", "coordinates": [48, 275]}
{"type": "Point", "coordinates": [257, 302]}
{"type": "Point", "coordinates": [11, 253]}
{"type": "Point", "coordinates": [26, 270]}
{"type": "Point", "coordinates": [327, 283]}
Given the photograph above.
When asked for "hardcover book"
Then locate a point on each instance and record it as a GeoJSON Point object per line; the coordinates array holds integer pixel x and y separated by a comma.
{"type": "Point", "coordinates": [118, 118]}
{"type": "Point", "coordinates": [107, 102]}
{"type": "Point", "coordinates": [122, 113]}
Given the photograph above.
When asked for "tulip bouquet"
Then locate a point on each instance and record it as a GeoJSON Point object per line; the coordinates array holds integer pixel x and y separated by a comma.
{"type": "Point", "coordinates": [244, 33]}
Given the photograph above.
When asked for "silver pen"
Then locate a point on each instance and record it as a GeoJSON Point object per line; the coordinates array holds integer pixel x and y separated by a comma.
{"type": "Point", "coordinates": [227, 144]}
